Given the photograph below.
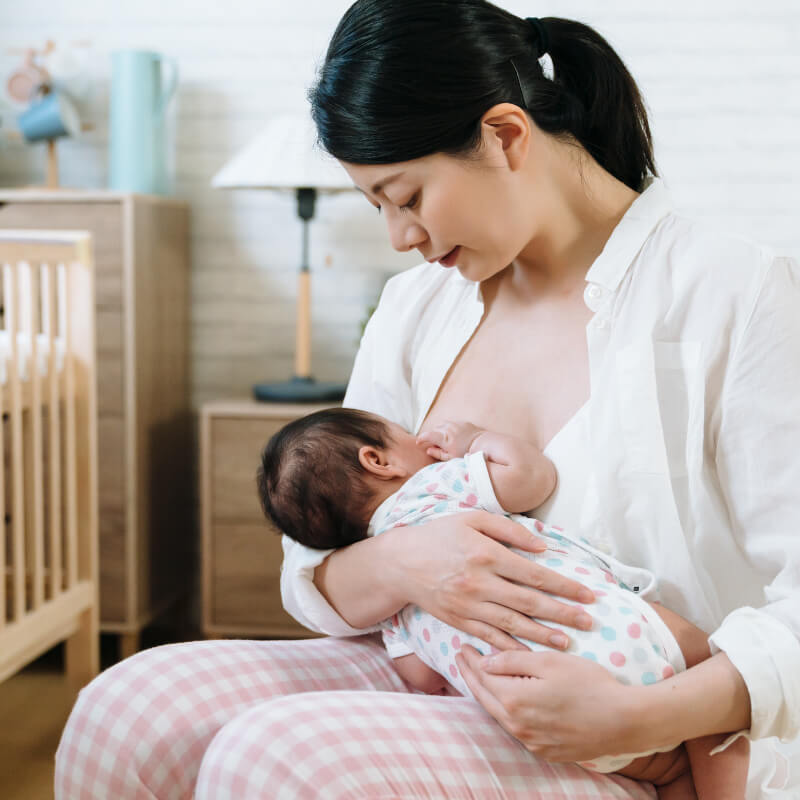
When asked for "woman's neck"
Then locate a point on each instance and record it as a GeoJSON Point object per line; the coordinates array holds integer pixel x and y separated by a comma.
{"type": "Point", "coordinates": [586, 204]}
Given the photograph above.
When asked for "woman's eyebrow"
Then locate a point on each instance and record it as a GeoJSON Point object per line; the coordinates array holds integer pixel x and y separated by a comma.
{"type": "Point", "coordinates": [378, 187]}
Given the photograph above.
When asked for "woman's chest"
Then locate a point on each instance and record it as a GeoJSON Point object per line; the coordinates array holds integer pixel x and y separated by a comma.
{"type": "Point", "coordinates": [523, 375]}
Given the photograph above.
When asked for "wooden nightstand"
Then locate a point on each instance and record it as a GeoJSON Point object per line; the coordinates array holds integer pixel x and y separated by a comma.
{"type": "Point", "coordinates": [241, 551]}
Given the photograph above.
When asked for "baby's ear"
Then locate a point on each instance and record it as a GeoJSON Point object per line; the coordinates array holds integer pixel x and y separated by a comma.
{"type": "Point", "coordinates": [377, 463]}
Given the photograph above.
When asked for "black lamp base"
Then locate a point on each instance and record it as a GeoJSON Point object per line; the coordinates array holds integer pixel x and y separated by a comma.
{"type": "Point", "coordinates": [298, 390]}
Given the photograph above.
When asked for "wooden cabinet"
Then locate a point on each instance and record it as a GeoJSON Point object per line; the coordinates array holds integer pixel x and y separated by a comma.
{"type": "Point", "coordinates": [144, 427]}
{"type": "Point", "coordinates": [241, 550]}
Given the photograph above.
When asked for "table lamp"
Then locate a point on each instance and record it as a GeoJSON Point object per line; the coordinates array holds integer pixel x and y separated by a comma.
{"type": "Point", "coordinates": [285, 157]}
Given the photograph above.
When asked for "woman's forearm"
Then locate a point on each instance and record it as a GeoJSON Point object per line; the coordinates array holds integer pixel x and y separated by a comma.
{"type": "Point", "coordinates": [709, 698]}
{"type": "Point", "coordinates": [359, 583]}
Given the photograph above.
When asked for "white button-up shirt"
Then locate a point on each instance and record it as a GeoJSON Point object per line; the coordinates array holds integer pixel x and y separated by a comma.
{"type": "Point", "coordinates": [694, 433]}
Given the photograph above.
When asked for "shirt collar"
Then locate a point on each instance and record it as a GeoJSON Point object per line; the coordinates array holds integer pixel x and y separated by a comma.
{"type": "Point", "coordinates": [632, 231]}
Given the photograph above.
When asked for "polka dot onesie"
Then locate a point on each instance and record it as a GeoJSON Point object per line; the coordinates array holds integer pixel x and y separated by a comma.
{"type": "Point", "coordinates": [628, 638]}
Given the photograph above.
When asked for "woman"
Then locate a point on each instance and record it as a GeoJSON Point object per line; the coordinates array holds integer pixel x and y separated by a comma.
{"type": "Point", "coordinates": [648, 356]}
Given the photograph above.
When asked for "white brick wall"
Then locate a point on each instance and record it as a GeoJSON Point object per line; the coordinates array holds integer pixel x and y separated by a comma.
{"type": "Point", "coordinates": [721, 79]}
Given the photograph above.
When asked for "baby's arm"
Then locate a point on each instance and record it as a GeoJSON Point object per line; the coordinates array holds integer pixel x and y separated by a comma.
{"type": "Point", "coordinates": [522, 476]}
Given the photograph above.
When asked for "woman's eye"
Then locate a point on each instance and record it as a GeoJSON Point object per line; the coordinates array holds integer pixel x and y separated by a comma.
{"type": "Point", "coordinates": [410, 204]}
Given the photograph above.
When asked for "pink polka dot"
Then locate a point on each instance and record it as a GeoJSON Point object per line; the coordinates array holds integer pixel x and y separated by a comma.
{"type": "Point", "coordinates": [582, 570]}
{"type": "Point", "coordinates": [456, 642]}
{"type": "Point", "coordinates": [617, 659]}
{"type": "Point", "coordinates": [469, 501]}
{"type": "Point", "coordinates": [454, 670]}
{"type": "Point", "coordinates": [644, 618]}
{"type": "Point", "coordinates": [599, 592]}
{"type": "Point", "coordinates": [431, 487]}
{"type": "Point", "coordinates": [668, 672]}
{"type": "Point", "coordinates": [609, 577]}
{"type": "Point", "coordinates": [538, 525]}
{"type": "Point", "coordinates": [426, 635]}
{"type": "Point", "coordinates": [466, 477]}
{"type": "Point", "coordinates": [634, 631]}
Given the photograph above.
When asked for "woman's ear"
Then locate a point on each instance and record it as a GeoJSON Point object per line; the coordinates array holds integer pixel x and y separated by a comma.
{"type": "Point", "coordinates": [506, 131]}
{"type": "Point", "coordinates": [377, 463]}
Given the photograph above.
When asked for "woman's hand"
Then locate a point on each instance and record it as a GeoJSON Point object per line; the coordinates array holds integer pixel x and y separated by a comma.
{"type": "Point", "coordinates": [457, 569]}
{"type": "Point", "coordinates": [560, 706]}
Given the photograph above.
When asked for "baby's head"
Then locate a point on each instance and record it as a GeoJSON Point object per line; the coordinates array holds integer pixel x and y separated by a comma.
{"type": "Point", "coordinates": [322, 476]}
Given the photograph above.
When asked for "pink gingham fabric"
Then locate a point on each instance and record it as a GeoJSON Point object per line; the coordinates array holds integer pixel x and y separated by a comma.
{"type": "Point", "coordinates": [327, 719]}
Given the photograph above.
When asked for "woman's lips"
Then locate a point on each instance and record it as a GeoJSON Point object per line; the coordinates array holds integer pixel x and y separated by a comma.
{"type": "Point", "coordinates": [450, 259]}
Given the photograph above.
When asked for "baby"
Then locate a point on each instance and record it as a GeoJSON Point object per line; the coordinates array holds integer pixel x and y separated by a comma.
{"type": "Point", "coordinates": [385, 478]}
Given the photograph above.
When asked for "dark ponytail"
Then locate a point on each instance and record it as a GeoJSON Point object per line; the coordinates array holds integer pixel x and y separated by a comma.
{"type": "Point", "coordinates": [404, 79]}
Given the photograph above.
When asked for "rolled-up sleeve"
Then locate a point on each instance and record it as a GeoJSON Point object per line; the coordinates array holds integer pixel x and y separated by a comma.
{"type": "Point", "coordinates": [758, 462]}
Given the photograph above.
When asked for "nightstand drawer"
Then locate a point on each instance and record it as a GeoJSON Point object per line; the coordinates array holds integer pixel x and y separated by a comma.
{"type": "Point", "coordinates": [241, 550]}
{"type": "Point", "coordinates": [236, 445]}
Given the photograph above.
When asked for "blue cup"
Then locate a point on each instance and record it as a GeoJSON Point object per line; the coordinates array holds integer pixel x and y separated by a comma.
{"type": "Point", "coordinates": [140, 94]}
{"type": "Point", "coordinates": [50, 118]}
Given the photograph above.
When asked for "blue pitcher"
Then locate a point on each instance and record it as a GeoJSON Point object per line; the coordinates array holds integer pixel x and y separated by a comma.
{"type": "Point", "coordinates": [140, 95]}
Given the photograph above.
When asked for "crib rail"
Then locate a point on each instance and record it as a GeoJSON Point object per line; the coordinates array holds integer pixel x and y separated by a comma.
{"type": "Point", "coordinates": [48, 441]}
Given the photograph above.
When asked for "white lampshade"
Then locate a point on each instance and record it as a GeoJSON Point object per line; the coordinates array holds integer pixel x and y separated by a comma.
{"type": "Point", "coordinates": [284, 156]}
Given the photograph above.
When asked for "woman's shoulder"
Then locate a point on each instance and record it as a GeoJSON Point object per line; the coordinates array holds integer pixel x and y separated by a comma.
{"type": "Point", "coordinates": [701, 251]}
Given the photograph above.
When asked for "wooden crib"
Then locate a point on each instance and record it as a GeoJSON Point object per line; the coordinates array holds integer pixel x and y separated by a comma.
{"type": "Point", "coordinates": [48, 439]}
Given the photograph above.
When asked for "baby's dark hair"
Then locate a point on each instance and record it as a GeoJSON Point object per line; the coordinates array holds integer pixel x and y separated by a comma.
{"type": "Point", "coordinates": [310, 482]}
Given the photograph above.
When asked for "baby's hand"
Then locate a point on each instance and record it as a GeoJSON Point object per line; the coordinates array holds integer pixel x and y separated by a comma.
{"type": "Point", "coordinates": [449, 440]}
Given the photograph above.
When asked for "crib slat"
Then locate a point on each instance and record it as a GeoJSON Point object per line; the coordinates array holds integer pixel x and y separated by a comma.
{"type": "Point", "coordinates": [3, 609]}
{"type": "Point", "coordinates": [10, 274]}
{"type": "Point", "coordinates": [34, 487]}
{"type": "Point", "coordinates": [71, 459]}
{"type": "Point", "coordinates": [54, 431]}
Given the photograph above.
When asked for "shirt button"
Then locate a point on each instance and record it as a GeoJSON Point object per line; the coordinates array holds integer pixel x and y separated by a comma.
{"type": "Point", "coordinates": [594, 292]}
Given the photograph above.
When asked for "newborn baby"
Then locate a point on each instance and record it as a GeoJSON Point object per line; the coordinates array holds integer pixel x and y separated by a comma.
{"type": "Point", "coordinates": [337, 476]}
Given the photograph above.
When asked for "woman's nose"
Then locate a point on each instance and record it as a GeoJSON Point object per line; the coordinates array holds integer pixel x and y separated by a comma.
{"type": "Point", "coordinates": [405, 235]}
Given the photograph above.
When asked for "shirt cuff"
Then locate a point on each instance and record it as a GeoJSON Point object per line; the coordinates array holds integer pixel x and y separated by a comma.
{"type": "Point", "coordinates": [300, 596]}
{"type": "Point", "coordinates": [767, 655]}
{"type": "Point", "coordinates": [482, 481]}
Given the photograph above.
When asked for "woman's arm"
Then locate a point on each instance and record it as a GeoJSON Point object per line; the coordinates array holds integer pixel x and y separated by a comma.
{"type": "Point", "coordinates": [457, 569]}
{"type": "Point", "coordinates": [576, 710]}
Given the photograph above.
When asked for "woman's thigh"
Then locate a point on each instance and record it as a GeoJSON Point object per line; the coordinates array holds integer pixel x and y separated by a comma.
{"type": "Point", "coordinates": [355, 745]}
{"type": "Point", "coordinates": [140, 729]}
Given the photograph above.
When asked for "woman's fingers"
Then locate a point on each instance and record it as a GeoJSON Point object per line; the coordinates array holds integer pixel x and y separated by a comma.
{"type": "Point", "coordinates": [467, 661]}
{"type": "Point", "coordinates": [517, 568]}
{"type": "Point", "coordinates": [496, 638]}
{"type": "Point", "coordinates": [524, 626]}
{"type": "Point", "coordinates": [503, 529]}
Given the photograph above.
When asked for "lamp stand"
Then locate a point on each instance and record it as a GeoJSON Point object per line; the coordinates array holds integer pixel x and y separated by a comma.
{"type": "Point", "coordinates": [302, 387]}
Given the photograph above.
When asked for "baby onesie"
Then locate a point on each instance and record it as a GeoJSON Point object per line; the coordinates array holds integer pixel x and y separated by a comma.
{"type": "Point", "coordinates": [628, 638]}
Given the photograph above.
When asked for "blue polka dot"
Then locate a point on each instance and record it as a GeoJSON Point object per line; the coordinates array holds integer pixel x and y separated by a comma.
{"type": "Point", "coordinates": [405, 634]}
{"type": "Point", "coordinates": [458, 486]}
{"type": "Point", "coordinates": [648, 678]}
{"type": "Point", "coordinates": [589, 655]}
{"type": "Point", "coordinates": [417, 613]}
{"type": "Point", "coordinates": [640, 654]}
{"type": "Point", "coordinates": [443, 648]}
{"type": "Point", "coordinates": [609, 634]}
{"type": "Point", "coordinates": [625, 610]}
{"type": "Point", "coordinates": [440, 507]}
{"type": "Point", "coordinates": [656, 649]}
{"type": "Point", "coordinates": [554, 562]}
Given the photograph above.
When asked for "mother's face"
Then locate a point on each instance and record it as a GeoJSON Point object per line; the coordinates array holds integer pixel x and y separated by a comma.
{"type": "Point", "coordinates": [439, 204]}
